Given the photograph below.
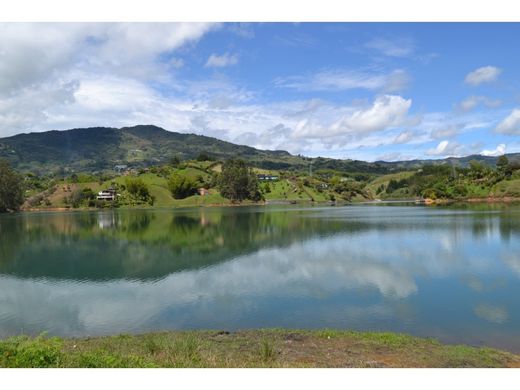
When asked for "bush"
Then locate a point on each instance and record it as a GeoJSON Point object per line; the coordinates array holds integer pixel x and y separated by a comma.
{"type": "Point", "coordinates": [30, 352]}
{"type": "Point", "coordinates": [182, 186]}
{"type": "Point", "coordinates": [11, 188]}
{"type": "Point", "coordinates": [138, 189]}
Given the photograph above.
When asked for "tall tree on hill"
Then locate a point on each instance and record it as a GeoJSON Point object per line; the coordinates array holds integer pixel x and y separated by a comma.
{"type": "Point", "coordinates": [11, 188]}
{"type": "Point", "coordinates": [238, 182]}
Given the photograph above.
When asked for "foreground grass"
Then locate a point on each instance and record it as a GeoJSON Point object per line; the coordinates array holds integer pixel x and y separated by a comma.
{"type": "Point", "coordinates": [255, 348]}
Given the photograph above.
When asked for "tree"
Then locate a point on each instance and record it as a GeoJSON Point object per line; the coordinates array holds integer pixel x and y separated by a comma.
{"type": "Point", "coordinates": [11, 188]}
{"type": "Point", "coordinates": [137, 188]}
{"type": "Point", "coordinates": [238, 182]}
{"type": "Point", "coordinates": [182, 186]}
{"type": "Point", "coordinates": [175, 161]}
{"type": "Point", "coordinates": [477, 169]}
{"type": "Point", "coordinates": [504, 167]}
{"type": "Point", "coordinates": [502, 162]}
{"type": "Point", "coordinates": [203, 156]}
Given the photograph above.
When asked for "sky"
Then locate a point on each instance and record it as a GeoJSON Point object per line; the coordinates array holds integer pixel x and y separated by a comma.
{"type": "Point", "coordinates": [367, 91]}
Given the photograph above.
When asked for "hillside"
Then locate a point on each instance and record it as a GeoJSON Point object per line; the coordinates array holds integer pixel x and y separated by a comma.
{"type": "Point", "coordinates": [99, 149]}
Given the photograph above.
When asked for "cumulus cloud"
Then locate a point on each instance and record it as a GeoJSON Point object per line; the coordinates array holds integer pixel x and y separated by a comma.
{"type": "Point", "coordinates": [486, 74]}
{"type": "Point", "coordinates": [340, 79]}
{"type": "Point", "coordinates": [498, 151]}
{"type": "Point", "coordinates": [511, 124]}
{"type": "Point", "coordinates": [220, 61]}
{"type": "Point", "coordinates": [48, 71]}
{"type": "Point", "coordinates": [387, 111]}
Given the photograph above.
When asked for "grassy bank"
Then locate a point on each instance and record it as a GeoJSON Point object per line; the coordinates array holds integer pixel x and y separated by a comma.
{"type": "Point", "coordinates": [255, 348]}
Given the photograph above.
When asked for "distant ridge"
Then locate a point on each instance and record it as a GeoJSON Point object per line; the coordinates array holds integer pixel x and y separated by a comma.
{"type": "Point", "coordinates": [101, 148]}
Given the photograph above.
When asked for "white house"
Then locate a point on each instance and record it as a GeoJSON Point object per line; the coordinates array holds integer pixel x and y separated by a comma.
{"type": "Point", "coordinates": [109, 194]}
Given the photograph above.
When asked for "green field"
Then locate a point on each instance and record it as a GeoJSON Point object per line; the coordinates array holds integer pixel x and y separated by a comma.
{"type": "Point", "coordinates": [384, 180]}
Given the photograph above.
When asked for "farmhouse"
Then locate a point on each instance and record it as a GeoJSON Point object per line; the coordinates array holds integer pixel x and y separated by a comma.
{"type": "Point", "coordinates": [262, 177]}
{"type": "Point", "coordinates": [109, 194]}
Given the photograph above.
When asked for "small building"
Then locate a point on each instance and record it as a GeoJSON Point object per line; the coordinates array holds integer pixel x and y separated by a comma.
{"type": "Point", "coordinates": [203, 191]}
{"type": "Point", "coordinates": [121, 168]}
{"type": "Point", "coordinates": [109, 194]}
{"type": "Point", "coordinates": [263, 177]}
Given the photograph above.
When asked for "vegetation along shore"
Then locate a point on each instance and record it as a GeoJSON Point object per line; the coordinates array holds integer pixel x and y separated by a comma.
{"type": "Point", "coordinates": [248, 348]}
{"type": "Point", "coordinates": [208, 181]}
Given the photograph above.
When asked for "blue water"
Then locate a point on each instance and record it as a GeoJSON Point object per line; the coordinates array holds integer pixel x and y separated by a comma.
{"type": "Point", "coordinates": [452, 273]}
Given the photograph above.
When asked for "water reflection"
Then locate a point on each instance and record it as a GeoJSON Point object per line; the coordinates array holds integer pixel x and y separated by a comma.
{"type": "Point", "coordinates": [431, 272]}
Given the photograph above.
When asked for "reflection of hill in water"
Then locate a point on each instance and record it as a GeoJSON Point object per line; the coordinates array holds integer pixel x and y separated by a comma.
{"type": "Point", "coordinates": [142, 244]}
{"type": "Point", "coordinates": [153, 244]}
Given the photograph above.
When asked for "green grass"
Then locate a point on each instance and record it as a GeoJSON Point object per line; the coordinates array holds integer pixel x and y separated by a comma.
{"type": "Point", "coordinates": [288, 190]}
{"type": "Point", "coordinates": [384, 180]}
{"type": "Point", "coordinates": [253, 348]}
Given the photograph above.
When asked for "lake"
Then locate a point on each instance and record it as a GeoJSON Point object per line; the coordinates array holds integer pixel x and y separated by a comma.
{"type": "Point", "coordinates": [450, 272]}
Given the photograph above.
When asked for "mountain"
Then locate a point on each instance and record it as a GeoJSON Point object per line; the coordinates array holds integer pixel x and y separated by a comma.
{"type": "Point", "coordinates": [101, 148]}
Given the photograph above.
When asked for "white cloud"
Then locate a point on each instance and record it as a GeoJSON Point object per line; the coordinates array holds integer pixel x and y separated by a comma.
{"type": "Point", "coordinates": [387, 111]}
{"type": "Point", "coordinates": [44, 67]}
{"type": "Point", "coordinates": [446, 149]}
{"type": "Point", "coordinates": [511, 124]}
{"type": "Point", "coordinates": [339, 80]}
{"type": "Point", "coordinates": [402, 47]}
{"type": "Point", "coordinates": [403, 137]}
{"type": "Point", "coordinates": [221, 61]}
{"type": "Point", "coordinates": [472, 102]}
{"type": "Point", "coordinates": [447, 131]}
{"type": "Point", "coordinates": [485, 74]}
{"type": "Point", "coordinates": [499, 150]}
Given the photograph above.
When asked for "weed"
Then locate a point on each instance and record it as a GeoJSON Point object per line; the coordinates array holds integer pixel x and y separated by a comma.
{"type": "Point", "coordinates": [267, 352]}
{"type": "Point", "coordinates": [24, 351]}
{"type": "Point", "coordinates": [103, 359]}
{"type": "Point", "coordinates": [184, 352]}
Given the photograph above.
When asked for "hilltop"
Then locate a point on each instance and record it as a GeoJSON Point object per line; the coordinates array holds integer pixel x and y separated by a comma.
{"type": "Point", "coordinates": [99, 149]}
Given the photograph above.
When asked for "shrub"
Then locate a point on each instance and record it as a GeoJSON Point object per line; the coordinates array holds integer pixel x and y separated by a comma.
{"type": "Point", "coordinates": [182, 186]}
{"type": "Point", "coordinates": [11, 188]}
{"type": "Point", "coordinates": [29, 352]}
{"type": "Point", "coordinates": [138, 189]}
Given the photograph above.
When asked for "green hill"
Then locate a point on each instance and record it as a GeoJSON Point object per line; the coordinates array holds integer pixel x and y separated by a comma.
{"type": "Point", "coordinates": [99, 149]}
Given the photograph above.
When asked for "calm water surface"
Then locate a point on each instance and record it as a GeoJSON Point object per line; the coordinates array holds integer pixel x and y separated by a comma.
{"type": "Point", "coordinates": [452, 273]}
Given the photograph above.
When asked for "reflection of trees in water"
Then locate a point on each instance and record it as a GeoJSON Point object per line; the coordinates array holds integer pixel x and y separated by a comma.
{"type": "Point", "coordinates": [488, 225]}
{"type": "Point", "coordinates": [137, 222]}
{"type": "Point", "coordinates": [143, 244]}
{"type": "Point", "coordinates": [482, 226]}
{"type": "Point", "coordinates": [11, 237]}
{"type": "Point", "coordinates": [509, 226]}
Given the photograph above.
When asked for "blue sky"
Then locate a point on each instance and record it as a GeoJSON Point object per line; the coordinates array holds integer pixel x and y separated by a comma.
{"type": "Point", "coordinates": [367, 91]}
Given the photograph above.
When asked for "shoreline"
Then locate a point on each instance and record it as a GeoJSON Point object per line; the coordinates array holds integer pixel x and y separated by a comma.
{"type": "Point", "coordinates": [507, 199]}
{"type": "Point", "coordinates": [248, 348]}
